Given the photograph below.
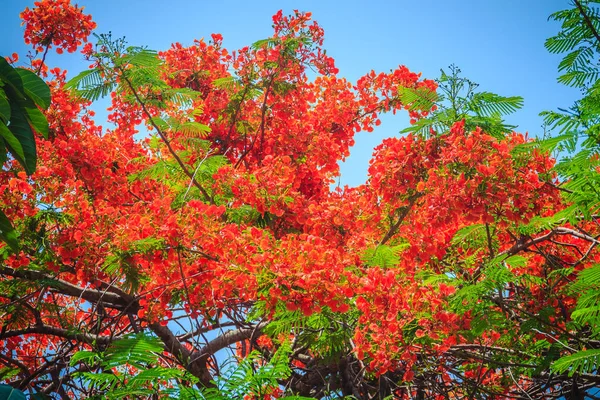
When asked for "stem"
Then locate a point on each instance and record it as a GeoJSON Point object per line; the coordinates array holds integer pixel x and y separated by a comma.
{"type": "Point", "coordinates": [44, 57]}
{"type": "Point", "coordinates": [164, 138]}
{"type": "Point", "coordinates": [262, 123]}
{"type": "Point", "coordinates": [587, 20]}
{"type": "Point", "coordinates": [394, 228]}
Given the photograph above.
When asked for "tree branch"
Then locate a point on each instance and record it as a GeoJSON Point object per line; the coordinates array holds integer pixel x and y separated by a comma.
{"type": "Point", "coordinates": [87, 338]}
{"type": "Point", "coordinates": [109, 299]}
{"type": "Point", "coordinates": [587, 20]}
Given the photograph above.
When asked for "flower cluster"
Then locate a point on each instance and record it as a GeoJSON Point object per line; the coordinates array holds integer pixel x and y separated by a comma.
{"type": "Point", "coordinates": [56, 23]}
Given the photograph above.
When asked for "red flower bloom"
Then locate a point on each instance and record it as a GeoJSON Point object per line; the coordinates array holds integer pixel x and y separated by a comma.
{"type": "Point", "coordinates": [58, 23]}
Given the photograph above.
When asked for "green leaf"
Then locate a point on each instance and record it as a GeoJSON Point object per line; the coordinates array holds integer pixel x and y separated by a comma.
{"type": "Point", "coordinates": [384, 256]}
{"type": "Point", "coordinates": [9, 393]}
{"type": "Point", "coordinates": [143, 57]}
{"type": "Point", "coordinates": [585, 361]}
{"type": "Point", "coordinates": [516, 261]}
{"type": "Point", "coordinates": [35, 88]}
{"type": "Point", "coordinates": [4, 107]}
{"type": "Point", "coordinates": [37, 120]}
{"type": "Point", "coordinates": [12, 142]}
{"type": "Point", "coordinates": [270, 42]}
{"type": "Point", "coordinates": [8, 233]}
{"type": "Point", "coordinates": [134, 350]}
{"type": "Point", "coordinates": [470, 232]}
{"type": "Point", "coordinates": [8, 372]}
{"type": "Point", "coordinates": [161, 123]}
{"type": "Point", "coordinates": [10, 76]}
{"type": "Point", "coordinates": [87, 356]}
{"type": "Point", "coordinates": [487, 104]}
{"type": "Point", "coordinates": [84, 78]}
{"type": "Point", "coordinates": [90, 85]}
{"type": "Point", "coordinates": [224, 83]}
{"type": "Point", "coordinates": [22, 131]}
{"type": "Point", "coordinates": [417, 98]}
{"type": "Point", "coordinates": [192, 127]}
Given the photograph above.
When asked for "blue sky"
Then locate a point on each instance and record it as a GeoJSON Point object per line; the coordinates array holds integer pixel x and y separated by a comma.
{"type": "Point", "coordinates": [498, 44]}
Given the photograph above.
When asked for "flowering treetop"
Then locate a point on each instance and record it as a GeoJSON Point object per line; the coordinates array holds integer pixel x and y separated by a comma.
{"type": "Point", "coordinates": [445, 275]}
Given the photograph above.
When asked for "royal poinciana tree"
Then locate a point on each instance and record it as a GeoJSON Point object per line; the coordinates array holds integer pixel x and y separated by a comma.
{"type": "Point", "coordinates": [193, 246]}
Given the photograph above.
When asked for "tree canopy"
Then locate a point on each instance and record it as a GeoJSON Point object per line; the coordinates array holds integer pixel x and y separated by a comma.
{"type": "Point", "coordinates": [196, 249]}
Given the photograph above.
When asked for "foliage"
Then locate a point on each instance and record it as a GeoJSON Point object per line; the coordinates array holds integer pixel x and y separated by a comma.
{"type": "Point", "coordinates": [458, 99]}
{"type": "Point", "coordinates": [9, 393]}
{"type": "Point", "coordinates": [129, 367]}
{"type": "Point", "coordinates": [21, 93]}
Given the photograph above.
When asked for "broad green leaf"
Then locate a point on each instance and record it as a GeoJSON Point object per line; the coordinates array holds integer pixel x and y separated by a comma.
{"type": "Point", "coordinates": [12, 142]}
{"type": "Point", "coordinates": [37, 120]}
{"type": "Point", "coordinates": [11, 77]}
{"type": "Point", "coordinates": [8, 233]}
{"type": "Point", "coordinates": [4, 107]}
{"type": "Point", "coordinates": [35, 88]}
{"type": "Point", "coordinates": [9, 393]}
{"type": "Point", "coordinates": [22, 131]}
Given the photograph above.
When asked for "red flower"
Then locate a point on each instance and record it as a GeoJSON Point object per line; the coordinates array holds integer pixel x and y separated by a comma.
{"type": "Point", "coordinates": [58, 23]}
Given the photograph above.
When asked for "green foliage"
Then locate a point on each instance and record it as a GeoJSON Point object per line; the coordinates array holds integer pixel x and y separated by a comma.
{"type": "Point", "coordinates": [133, 72]}
{"type": "Point", "coordinates": [253, 376]}
{"type": "Point", "coordinates": [325, 332]}
{"type": "Point", "coordinates": [578, 37]}
{"type": "Point", "coordinates": [119, 265]}
{"type": "Point", "coordinates": [578, 145]}
{"type": "Point", "coordinates": [21, 93]}
{"type": "Point", "coordinates": [469, 235]}
{"type": "Point", "coordinates": [579, 125]}
{"type": "Point", "coordinates": [585, 361]}
{"type": "Point", "coordinates": [457, 99]}
{"type": "Point", "coordinates": [91, 84]}
{"type": "Point", "coordinates": [9, 393]}
{"type": "Point", "coordinates": [384, 256]}
{"type": "Point", "coordinates": [587, 311]}
{"type": "Point", "coordinates": [7, 232]}
{"type": "Point", "coordinates": [417, 98]}
{"type": "Point", "coordinates": [127, 368]}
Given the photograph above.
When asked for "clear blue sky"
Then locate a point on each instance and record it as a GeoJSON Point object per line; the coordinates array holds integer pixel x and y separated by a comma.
{"type": "Point", "coordinates": [498, 44]}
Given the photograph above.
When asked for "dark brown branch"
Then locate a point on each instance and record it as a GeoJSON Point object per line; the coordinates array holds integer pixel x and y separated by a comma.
{"type": "Point", "coordinates": [402, 215]}
{"type": "Point", "coordinates": [587, 20]}
{"type": "Point", "coordinates": [59, 332]}
{"type": "Point", "coordinates": [202, 330]}
{"type": "Point", "coordinates": [7, 360]}
{"type": "Point", "coordinates": [227, 339]}
{"type": "Point", "coordinates": [111, 300]}
{"type": "Point", "coordinates": [195, 365]}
